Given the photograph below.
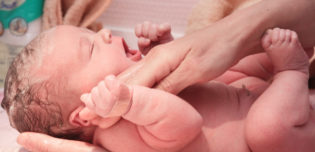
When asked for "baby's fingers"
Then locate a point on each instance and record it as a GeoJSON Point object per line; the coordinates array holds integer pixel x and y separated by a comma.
{"type": "Point", "coordinates": [146, 30]}
{"type": "Point", "coordinates": [87, 100]}
{"type": "Point", "coordinates": [122, 94]}
{"type": "Point", "coordinates": [138, 30]}
{"type": "Point", "coordinates": [152, 33]}
{"type": "Point", "coordinates": [163, 29]}
{"type": "Point", "coordinates": [104, 100]}
{"type": "Point", "coordinates": [144, 45]}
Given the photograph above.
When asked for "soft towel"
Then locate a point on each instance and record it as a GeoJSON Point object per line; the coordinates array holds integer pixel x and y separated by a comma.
{"type": "Point", "coordinates": [80, 13]}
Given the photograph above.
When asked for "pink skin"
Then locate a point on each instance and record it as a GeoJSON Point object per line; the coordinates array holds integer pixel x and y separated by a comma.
{"type": "Point", "coordinates": [284, 107]}
{"type": "Point", "coordinates": [205, 115]}
{"type": "Point", "coordinates": [152, 115]}
{"type": "Point", "coordinates": [82, 59]}
{"type": "Point", "coordinates": [150, 34]}
{"type": "Point", "coordinates": [198, 57]}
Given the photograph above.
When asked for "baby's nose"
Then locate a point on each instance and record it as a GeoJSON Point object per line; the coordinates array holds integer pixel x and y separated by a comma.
{"type": "Point", "coordinates": [106, 35]}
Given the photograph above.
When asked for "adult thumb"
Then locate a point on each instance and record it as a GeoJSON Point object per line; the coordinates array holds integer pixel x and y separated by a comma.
{"type": "Point", "coordinates": [154, 67]}
{"type": "Point", "coordinates": [182, 77]}
{"type": "Point", "coordinates": [37, 142]}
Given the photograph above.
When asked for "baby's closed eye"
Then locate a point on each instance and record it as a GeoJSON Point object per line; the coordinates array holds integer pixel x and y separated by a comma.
{"type": "Point", "coordinates": [86, 48]}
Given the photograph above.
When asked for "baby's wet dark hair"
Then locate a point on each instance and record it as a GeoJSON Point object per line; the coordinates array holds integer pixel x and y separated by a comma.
{"type": "Point", "coordinates": [28, 109]}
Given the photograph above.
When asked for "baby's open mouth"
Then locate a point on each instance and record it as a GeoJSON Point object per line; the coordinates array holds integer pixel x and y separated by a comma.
{"type": "Point", "coordinates": [128, 52]}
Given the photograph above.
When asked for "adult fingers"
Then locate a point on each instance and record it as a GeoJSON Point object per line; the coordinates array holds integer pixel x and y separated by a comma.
{"type": "Point", "coordinates": [37, 142]}
{"type": "Point", "coordinates": [158, 64]}
{"type": "Point", "coordinates": [183, 76]}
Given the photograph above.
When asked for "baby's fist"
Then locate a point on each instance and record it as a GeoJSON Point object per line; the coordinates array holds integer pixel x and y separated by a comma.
{"type": "Point", "coordinates": [150, 34]}
{"type": "Point", "coordinates": [109, 98]}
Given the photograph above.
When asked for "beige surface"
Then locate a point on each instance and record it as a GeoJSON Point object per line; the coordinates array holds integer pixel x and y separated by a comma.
{"type": "Point", "coordinates": [7, 53]}
{"type": "Point", "coordinates": [7, 133]}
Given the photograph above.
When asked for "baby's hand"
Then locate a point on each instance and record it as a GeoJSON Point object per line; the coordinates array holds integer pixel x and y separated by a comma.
{"type": "Point", "coordinates": [150, 35]}
{"type": "Point", "coordinates": [109, 98]}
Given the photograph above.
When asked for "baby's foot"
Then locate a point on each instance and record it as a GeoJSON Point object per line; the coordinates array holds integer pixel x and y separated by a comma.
{"type": "Point", "coordinates": [285, 50]}
{"type": "Point", "coordinates": [150, 35]}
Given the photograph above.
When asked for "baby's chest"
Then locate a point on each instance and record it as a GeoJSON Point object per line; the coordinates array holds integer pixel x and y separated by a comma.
{"type": "Point", "coordinates": [219, 103]}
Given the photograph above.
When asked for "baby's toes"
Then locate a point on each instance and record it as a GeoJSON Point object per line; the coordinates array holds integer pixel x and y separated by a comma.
{"type": "Point", "coordinates": [285, 50]}
{"type": "Point", "coordinates": [275, 36]}
{"type": "Point", "coordinates": [266, 40]}
{"type": "Point", "coordinates": [294, 40]}
{"type": "Point", "coordinates": [278, 38]}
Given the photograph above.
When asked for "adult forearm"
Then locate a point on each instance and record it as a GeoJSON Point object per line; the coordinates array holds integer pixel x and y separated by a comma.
{"type": "Point", "coordinates": [249, 24]}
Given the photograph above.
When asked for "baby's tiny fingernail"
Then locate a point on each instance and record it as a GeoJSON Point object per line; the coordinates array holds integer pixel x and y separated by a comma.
{"type": "Point", "coordinates": [165, 25]}
{"type": "Point", "coordinates": [84, 97]}
{"type": "Point", "coordinates": [111, 77]}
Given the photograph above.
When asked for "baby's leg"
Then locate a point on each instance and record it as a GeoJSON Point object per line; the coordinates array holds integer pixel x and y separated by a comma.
{"type": "Point", "coordinates": [275, 120]}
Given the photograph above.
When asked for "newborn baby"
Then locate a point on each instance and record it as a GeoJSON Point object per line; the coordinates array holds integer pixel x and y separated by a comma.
{"type": "Point", "coordinates": [63, 84]}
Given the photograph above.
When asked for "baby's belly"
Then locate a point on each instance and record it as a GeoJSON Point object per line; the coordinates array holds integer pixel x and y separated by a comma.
{"type": "Point", "coordinates": [224, 110]}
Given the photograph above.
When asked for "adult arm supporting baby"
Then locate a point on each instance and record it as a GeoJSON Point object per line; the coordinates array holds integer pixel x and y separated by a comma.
{"type": "Point", "coordinates": [205, 54]}
{"type": "Point", "coordinates": [37, 142]}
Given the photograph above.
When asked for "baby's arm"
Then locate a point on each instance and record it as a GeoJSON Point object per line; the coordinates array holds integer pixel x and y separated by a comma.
{"type": "Point", "coordinates": [279, 120]}
{"type": "Point", "coordinates": [164, 121]}
{"type": "Point", "coordinates": [150, 35]}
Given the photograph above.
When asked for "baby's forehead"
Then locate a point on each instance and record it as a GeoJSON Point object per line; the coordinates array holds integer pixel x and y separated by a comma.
{"type": "Point", "coordinates": [64, 29]}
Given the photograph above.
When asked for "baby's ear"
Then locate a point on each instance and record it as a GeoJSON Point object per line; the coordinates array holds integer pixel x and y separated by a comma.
{"type": "Point", "coordinates": [76, 120]}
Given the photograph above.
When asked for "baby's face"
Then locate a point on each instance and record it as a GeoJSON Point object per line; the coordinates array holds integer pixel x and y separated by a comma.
{"type": "Point", "coordinates": [82, 58]}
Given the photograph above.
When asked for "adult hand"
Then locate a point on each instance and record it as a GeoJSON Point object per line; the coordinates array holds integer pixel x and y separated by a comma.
{"type": "Point", "coordinates": [205, 54]}
{"type": "Point", "coordinates": [173, 66]}
{"type": "Point", "coordinates": [37, 142]}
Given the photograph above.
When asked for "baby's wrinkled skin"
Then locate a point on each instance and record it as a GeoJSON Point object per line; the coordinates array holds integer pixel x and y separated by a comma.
{"type": "Point", "coordinates": [249, 108]}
